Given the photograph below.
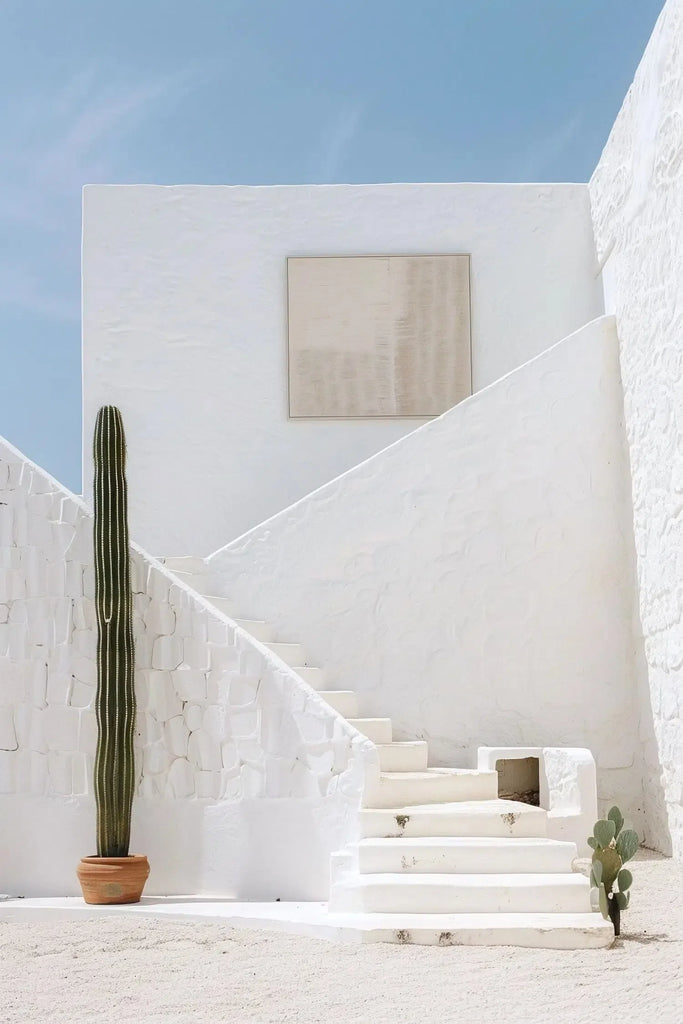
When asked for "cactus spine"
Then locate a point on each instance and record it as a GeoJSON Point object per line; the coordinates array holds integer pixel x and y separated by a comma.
{"type": "Point", "coordinates": [115, 701]}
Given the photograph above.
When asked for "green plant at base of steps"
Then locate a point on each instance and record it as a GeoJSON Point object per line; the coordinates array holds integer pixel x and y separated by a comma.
{"type": "Point", "coordinates": [114, 776]}
{"type": "Point", "coordinates": [612, 848]}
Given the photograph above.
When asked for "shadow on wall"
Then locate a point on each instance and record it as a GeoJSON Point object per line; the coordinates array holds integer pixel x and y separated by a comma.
{"type": "Point", "coordinates": [247, 849]}
{"type": "Point", "coordinates": [171, 834]}
{"type": "Point", "coordinates": [654, 832]}
{"type": "Point", "coordinates": [657, 834]}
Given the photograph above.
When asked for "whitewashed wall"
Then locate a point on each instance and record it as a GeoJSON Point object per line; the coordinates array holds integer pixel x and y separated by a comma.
{"type": "Point", "coordinates": [247, 780]}
{"type": "Point", "coordinates": [184, 327]}
{"type": "Point", "coordinates": [637, 199]}
{"type": "Point", "coordinates": [475, 580]}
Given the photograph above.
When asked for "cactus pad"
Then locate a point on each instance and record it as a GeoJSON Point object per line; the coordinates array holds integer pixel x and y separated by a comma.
{"type": "Point", "coordinates": [624, 880]}
{"type": "Point", "coordinates": [604, 906]}
{"type": "Point", "coordinates": [617, 817]}
{"type": "Point", "coordinates": [627, 844]}
{"type": "Point", "coordinates": [604, 831]}
{"type": "Point", "coordinates": [610, 861]}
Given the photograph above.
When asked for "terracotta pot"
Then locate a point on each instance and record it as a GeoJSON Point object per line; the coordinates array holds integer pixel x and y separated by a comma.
{"type": "Point", "coordinates": [113, 879]}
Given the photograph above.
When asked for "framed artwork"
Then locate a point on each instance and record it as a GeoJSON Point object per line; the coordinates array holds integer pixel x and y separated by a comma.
{"type": "Point", "coordinates": [378, 335]}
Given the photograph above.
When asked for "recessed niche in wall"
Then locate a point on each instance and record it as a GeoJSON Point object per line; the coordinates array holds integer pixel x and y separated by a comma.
{"type": "Point", "coordinates": [518, 779]}
{"type": "Point", "coordinates": [378, 335]}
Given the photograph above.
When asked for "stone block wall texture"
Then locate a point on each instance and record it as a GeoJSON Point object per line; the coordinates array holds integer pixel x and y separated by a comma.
{"type": "Point", "coordinates": [475, 581]}
{"type": "Point", "coordinates": [219, 720]}
{"type": "Point", "coordinates": [637, 202]}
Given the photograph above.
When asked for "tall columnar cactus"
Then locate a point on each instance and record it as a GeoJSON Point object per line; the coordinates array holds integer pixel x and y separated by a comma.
{"type": "Point", "coordinates": [115, 701]}
{"type": "Point", "coordinates": [612, 848]}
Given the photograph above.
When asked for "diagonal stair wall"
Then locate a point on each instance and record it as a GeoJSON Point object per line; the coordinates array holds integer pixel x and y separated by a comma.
{"type": "Point", "coordinates": [474, 581]}
{"type": "Point", "coordinates": [248, 780]}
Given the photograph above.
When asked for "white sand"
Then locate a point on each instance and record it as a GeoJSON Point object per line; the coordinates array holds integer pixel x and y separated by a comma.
{"type": "Point", "coordinates": [120, 970]}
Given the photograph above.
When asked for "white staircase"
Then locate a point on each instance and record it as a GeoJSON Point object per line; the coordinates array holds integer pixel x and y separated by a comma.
{"type": "Point", "coordinates": [440, 860]}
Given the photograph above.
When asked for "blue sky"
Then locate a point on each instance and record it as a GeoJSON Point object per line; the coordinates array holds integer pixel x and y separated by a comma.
{"type": "Point", "coordinates": [268, 91]}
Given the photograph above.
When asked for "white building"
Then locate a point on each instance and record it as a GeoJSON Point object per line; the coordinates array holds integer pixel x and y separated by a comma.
{"type": "Point", "coordinates": [508, 574]}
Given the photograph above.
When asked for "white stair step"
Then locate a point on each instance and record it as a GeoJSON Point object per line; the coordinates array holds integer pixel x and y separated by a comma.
{"type": "Point", "coordinates": [534, 931]}
{"type": "Point", "coordinates": [464, 855]}
{"type": "Point", "coordinates": [343, 701]}
{"type": "Point", "coordinates": [505, 818]}
{"type": "Point", "coordinates": [376, 729]}
{"type": "Point", "coordinates": [259, 630]}
{"type": "Point", "coordinates": [432, 786]}
{"type": "Point", "coordinates": [404, 756]}
{"type": "Point", "coordinates": [192, 579]}
{"type": "Point", "coordinates": [463, 894]}
{"type": "Point", "coordinates": [315, 677]}
{"type": "Point", "coordinates": [223, 604]}
{"type": "Point", "coordinates": [292, 654]}
{"type": "Point", "coordinates": [188, 564]}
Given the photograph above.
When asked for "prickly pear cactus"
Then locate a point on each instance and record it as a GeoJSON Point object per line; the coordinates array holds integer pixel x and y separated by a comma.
{"type": "Point", "coordinates": [613, 846]}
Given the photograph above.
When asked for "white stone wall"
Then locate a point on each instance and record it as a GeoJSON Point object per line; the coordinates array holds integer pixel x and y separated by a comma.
{"type": "Point", "coordinates": [185, 327]}
{"type": "Point", "coordinates": [637, 199]}
{"type": "Point", "coordinates": [475, 580]}
{"type": "Point", "coordinates": [220, 720]}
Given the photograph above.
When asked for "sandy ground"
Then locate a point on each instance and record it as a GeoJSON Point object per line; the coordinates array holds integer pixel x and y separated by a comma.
{"type": "Point", "coordinates": [118, 970]}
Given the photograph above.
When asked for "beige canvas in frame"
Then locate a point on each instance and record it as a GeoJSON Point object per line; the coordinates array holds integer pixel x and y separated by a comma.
{"type": "Point", "coordinates": [378, 335]}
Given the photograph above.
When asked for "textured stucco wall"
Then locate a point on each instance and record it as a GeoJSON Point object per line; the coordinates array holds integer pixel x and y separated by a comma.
{"type": "Point", "coordinates": [184, 327]}
{"type": "Point", "coordinates": [475, 580]}
{"type": "Point", "coordinates": [637, 201]}
{"type": "Point", "coordinates": [247, 780]}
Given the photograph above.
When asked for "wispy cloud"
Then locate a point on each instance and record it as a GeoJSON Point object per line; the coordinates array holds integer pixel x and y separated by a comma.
{"type": "Point", "coordinates": [52, 145]}
{"type": "Point", "coordinates": [542, 154]}
{"type": "Point", "coordinates": [335, 141]}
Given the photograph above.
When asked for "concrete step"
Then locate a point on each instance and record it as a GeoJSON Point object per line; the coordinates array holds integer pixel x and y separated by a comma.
{"type": "Point", "coordinates": [465, 855]}
{"type": "Point", "coordinates": [463, 894]}
{"type": "Point", "coordinates": [343, 701]}
{"type": "Point", "coordinates": [404, 756]}
{"type": "Point", "coordinates": [376, 729]}
{"type": "Point", "coordinates": [432, 786]}
{"type": "Point", "coordinates": [259, 630]}
{"type": "Point", "coordinates": [292, 654]}
{"type": "Point", "coordinates": [315, 677]}
{"type": "Point", "coordinates": [223, 604]}
{"type": "Point", "coordinates": [533, 931]}
{"type": "Point", "coordinates": [504, 818]}
{"type": "Point", "coordinates": [188, 564]}
{"type": "Point", "coordinates": [191, 579]}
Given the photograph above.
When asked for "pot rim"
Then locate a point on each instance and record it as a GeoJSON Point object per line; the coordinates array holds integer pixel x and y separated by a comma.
{"type": "Point", "coordinates": [94, 859]}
